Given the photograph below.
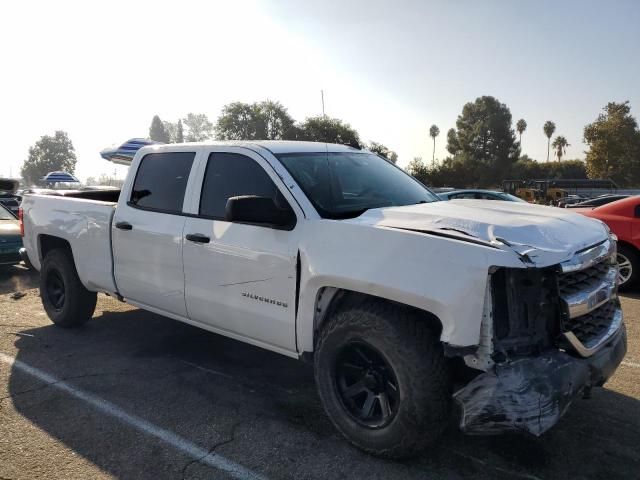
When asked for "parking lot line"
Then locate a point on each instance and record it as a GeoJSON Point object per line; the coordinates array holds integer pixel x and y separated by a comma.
{"type": "Point", "coordinates": [631, 364]}
{"type": "Point", "coordinates": [199, 454]}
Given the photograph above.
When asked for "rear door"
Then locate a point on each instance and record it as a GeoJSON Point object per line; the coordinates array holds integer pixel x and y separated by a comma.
{"type": "Point", "coordinates": [147, 232]}
{"type": "Point", "coordinates": [240, 278]}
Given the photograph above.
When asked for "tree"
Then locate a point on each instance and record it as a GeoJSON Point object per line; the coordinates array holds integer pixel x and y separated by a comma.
{"type": "Point", "coordinates": [521, 126]}
{"type": "Point", "coordinates": [528, 169]}
{"type": "Point", "coordinates": [179, 133]}
{"type": "Point", "coordinates": [266, 120]}
{"type": "Point", "coordinates": [240, 121]}
{"type": "Point", "coordinates": [157, 131]}
{"type": "Point", "coordinates": [560, 145]}
{"type": "Point", "coordinates": [171, 129]}
{"type": "Point", "coordinates": [614, 145]}
{"type": "Point", "coordinates": [277, 122]}
{"type": "Point", "coordinates": [199, 128]}
{"type": "Point", "coordinates": [328, 130]}
{"type": "Point", "coordinates": [434, 131]}
{"type": "Point", "coordinates": [49, 154]}
{"type": "Point", "coordinates": [417, 168]}
{"type": "Point", "coordinates": [453, 146]}
{"type": "Point", "coordinates": [549, 127]}
{"type": "Point", "coordinates": [484, 142]}
{"type": "Point", "coordinates": [383, 151]}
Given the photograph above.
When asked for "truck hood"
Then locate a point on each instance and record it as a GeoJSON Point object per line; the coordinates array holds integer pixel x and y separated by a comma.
{"type": "Point", "coordinates": [539, 234]}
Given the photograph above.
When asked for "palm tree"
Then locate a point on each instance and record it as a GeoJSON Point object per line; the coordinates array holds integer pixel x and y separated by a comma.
{"type": "Point", "coordinates": [434, 131]}
{"type": "Point", "coordinates": [549, 127]}
{"type": "Point", "coordinates": [521, 126]}
{"type": "Point", "coordinates": [560, 145]}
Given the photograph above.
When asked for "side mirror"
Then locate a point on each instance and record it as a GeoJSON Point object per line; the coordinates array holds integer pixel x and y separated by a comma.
{"type": "Point", "coordinates": [259, 211]}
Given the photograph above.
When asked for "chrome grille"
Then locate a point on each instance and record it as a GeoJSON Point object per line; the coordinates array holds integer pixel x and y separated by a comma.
{"type": "Point", "coordinates": [587, 285]}
{"type": "Point", "coordinates": [581, 280]}
{"type": "Point", "coordinates": [588, 327]}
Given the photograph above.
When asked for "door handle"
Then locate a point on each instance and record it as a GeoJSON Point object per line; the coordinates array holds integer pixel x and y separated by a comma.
{"type": "Point", "coordinates": [124, 226]}
{"type": "Point", "coordinates": [198, 238]}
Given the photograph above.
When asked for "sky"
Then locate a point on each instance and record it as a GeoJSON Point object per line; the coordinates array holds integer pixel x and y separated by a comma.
{"type": "Point", "coordinates": [101, 70]}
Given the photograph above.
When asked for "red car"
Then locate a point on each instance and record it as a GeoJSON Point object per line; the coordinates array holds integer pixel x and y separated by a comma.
{"type": "Point", "coordinates": [623, 218]}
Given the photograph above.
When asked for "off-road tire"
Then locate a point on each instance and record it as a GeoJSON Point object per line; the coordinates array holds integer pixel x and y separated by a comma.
{"type": "Point", "coordinates": [412, 349]}
{"type": "Point", "coordinates": [78, 303]}
{"type": "Point", "coordinates": [634, 257]}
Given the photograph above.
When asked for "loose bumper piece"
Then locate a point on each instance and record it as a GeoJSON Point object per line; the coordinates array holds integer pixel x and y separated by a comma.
{"type": "Point", "coordinates": [531, 394]}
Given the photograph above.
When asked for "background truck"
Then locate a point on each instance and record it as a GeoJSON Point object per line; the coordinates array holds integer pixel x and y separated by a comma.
{"type": "Point", "coordinates": [325, 253]}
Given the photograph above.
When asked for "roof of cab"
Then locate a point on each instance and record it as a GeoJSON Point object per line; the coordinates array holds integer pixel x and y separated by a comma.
{"type": "Point", "coordinates": [274, 146]}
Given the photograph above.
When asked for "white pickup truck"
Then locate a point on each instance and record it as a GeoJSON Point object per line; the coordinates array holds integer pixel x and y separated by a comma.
{"type": "Point", "coordinates": [405, 304]}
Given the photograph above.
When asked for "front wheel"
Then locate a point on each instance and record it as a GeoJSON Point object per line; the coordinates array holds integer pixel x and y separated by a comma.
{"type": "Point", "coordinates": [382, 378]}
{"type": "Point", "coordinates": [628, 267]}
{"type": "Point", "coordinates": [67, 302]}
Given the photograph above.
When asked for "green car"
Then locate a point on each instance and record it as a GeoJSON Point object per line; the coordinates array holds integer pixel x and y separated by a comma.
{"type": "Point", "coordinates": [10, 239]}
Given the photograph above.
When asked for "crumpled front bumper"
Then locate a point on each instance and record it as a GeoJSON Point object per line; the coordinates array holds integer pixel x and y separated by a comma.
{"type": "Point", "coordinates": [531, 394]}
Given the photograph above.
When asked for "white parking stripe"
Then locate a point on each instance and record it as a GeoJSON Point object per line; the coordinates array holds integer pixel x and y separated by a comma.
{"type": "Point", "coordinates": [631, 364]}
{"type": "Point", "coordinates": [199, 454]}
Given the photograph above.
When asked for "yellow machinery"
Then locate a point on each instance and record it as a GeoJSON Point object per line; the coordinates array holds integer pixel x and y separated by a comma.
{"type": "Point", "coordinates": [555, 195]}
{"type": "Point", "coordinates": [535, 191]}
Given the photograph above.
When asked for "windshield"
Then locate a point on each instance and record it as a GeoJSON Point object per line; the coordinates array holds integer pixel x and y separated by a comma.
{"type": "Point", "coordinates": [6, 214]}
{"type": "Point", "coordinates": [344, 185]}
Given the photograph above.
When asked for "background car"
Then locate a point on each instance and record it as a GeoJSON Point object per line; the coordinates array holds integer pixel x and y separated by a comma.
{"type": "Point", "coordinates": [479, 195]}
{"type": "Point", "coordinates": [8, 196]}
{"type": "Point", "coordinates": [598, 201]}
{"type": "Point", "coordinates": [11, 203]}
{"type": "Point", "coordinates": [571, 199]}
{"type": "Point", "coordinates": [10, 239]}
{"type": "Point", "coordinates": [623, 218]}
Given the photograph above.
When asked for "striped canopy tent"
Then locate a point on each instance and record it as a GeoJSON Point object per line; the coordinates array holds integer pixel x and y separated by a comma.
{"type": "Point", "coordinates": [124, 153]}
{"type": "Point", "coordinates": [59, 177]}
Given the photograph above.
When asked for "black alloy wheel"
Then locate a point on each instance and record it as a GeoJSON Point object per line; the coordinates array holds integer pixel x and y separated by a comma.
{"type": "Point", "coordinates": [367, 385]}
{"type": "Point", "coordinates": [55, 289]}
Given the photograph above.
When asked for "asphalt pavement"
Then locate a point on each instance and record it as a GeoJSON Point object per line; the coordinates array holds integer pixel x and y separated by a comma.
{"type": "Point", "coordinates": [136, 395]}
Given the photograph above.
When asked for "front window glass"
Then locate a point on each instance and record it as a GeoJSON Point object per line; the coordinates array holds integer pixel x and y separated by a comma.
{"type": "Point", "coordinates": [344, 185]}
{"type": "Point", "coordinates": [231, 175]}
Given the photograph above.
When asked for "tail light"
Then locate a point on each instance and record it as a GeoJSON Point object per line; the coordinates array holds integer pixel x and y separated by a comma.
{"type": "Point", "coordinates": [21, 218]}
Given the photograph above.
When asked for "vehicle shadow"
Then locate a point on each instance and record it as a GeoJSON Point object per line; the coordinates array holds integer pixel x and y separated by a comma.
{"type": "Point", "coordinates": [17, 278]}
{"type": "Point", "coordinates": [633, 294]}
{"type": "Point", "coordinates": [263, 411]}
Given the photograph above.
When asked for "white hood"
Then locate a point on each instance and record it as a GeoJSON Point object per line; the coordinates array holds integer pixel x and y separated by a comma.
{"type": "Point", "coordinates": [544, 235]}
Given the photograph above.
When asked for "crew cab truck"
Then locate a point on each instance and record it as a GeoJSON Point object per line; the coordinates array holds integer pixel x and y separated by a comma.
{"type": "Point", "coordinates": [405, 304]}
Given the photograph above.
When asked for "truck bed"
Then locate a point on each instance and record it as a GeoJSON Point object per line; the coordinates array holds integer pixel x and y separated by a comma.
{"type": "Point", "coordinates": [83, 219]}
{"type": "Point", "coordinates": [102, 195]}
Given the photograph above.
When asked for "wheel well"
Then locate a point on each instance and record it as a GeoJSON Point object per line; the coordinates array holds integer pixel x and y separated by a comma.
{"type": "Point", "coordinates": [330, 300]}
{"type": "Point", "coordinates": [49, 242]}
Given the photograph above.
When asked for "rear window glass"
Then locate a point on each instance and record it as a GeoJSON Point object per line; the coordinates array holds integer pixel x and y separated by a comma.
{"type": "Point", "coordinates": [161, 181]}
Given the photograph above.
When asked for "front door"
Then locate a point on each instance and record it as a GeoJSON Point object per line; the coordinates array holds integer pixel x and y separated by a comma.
{"type": "Point", "coordinates": [240, 278]}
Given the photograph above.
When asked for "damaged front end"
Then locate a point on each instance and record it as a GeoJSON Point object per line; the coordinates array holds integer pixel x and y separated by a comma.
{"type": "Point", "coordinates": [547, 335]}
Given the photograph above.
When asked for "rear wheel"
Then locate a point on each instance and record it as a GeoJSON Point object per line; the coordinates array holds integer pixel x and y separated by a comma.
{"type": "Point", "coordinates": [628, 267]}
{"type": "Point", "coordinates": [382, 378]}
{"type": "Point", "coordinates": [67, 302]}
